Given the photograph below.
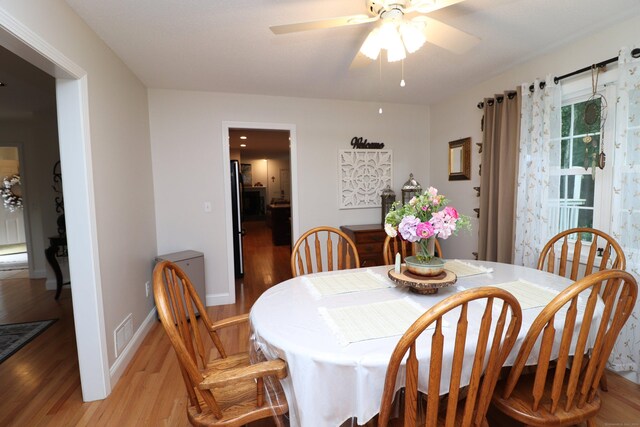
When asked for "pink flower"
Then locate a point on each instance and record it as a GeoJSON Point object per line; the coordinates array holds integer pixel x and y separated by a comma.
{"type": "Point", "coordinates": [452, 212]}
{"type": "Point", "coordinates": [424, 230]}
{"type": "Point", "coordinates": [433, 192]}
{"type": "Point", "coordinates": [443, 224]}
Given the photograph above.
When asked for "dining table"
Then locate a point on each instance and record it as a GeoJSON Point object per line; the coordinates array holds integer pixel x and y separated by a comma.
{"type": "Point", "coordinates": [336, 330]}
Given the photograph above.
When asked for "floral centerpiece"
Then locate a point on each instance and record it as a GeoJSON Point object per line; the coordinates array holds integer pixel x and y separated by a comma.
{"type": "Point", "coordinates": [422, 220]}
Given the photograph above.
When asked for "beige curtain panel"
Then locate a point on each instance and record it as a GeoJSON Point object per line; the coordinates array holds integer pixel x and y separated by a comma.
{"type": "Point", "coordinates": [498, 181]}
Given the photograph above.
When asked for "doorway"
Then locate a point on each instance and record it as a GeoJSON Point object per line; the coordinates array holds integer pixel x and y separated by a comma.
{"type": "Point", "coordinates": [72, 98]}
{"type": "Point", "coordinates": [13, 239]}
{"type": "Point", "coordinates": [264, 155]}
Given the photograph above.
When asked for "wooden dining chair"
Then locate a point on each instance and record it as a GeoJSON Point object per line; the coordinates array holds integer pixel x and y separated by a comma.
{"type": "Point", "coordinates": [563, 389]}
{"type": "Point", "coordinates": [612, 256]}
{"type": "Point", "coordinates": [571, 250]}
{"type": "Point", "coordinates": [320, 248]}
{"type": "Point", "coordinates": [496, 335]}
{"type": "Point", "coordinates": [224, 391]}
{"type": "Point", "coordinates": [394, 245]}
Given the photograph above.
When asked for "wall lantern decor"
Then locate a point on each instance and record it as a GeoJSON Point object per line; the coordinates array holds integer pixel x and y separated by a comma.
{"type": "Point", "coordinates": [388, 197]}
{"type": "Point", "coordinates": [410, 189]}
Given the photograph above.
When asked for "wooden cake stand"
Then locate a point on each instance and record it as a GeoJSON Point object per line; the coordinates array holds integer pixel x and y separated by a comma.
{"type": "Point", "coordinates": [422, 284]}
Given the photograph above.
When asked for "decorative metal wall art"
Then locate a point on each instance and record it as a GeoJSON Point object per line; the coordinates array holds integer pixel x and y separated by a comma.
{"type": "Point", "coordinates": [364, 174]}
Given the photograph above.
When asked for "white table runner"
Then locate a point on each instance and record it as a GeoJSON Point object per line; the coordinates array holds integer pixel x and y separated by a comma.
{"type": "Point", "coordinates": [332, 284]}
{"type": "Point", "coordinates": [370, 321]}
{"type": "Point", "coordinates": [464, 269]}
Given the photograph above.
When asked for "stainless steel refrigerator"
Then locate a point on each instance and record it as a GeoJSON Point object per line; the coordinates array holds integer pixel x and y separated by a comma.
{"type": "Point", "coordinates": [236, 212]}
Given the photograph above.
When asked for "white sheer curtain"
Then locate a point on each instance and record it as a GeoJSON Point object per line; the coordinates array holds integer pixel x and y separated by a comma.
{"type": "Point", "coordinates": [625, 221]}
{"type": "Point", "coordinates": [538, 186]}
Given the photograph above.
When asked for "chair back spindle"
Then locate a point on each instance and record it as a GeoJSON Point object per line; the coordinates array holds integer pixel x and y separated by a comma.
{"type": "Point", "coordinates": [571, 249]}
{"type": "Point", "coordinates": [323, 249]}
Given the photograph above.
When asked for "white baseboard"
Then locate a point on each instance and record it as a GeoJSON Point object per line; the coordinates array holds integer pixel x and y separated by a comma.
{"type": "Point", "coordinates": [38, 274]}
{"type": "Point", "coordinates": [631, 376]}
{"type": "Point", "coordinates": [219, 299]}
{"type": "Point", "coordinates": [121, 363]}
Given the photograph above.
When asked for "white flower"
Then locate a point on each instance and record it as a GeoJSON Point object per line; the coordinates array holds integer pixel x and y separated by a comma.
{"type": "Point", "coordinates": [413, 201]}
{"type": "Point", "coordinates": [390, 230]}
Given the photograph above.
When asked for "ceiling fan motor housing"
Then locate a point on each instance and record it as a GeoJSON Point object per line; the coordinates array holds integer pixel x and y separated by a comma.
{"type": "Point", "coordinates": [394, 7]}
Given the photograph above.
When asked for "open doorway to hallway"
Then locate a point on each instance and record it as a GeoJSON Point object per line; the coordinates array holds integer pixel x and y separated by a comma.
{"type": "Point", "coordinates": [262, 224]}
{"type": "Point", "coordinates": [13, 240]}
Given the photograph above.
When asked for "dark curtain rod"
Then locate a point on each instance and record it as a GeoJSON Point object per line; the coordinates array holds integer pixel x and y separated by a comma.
{"type": "Point", "coordinates": [634, 53]}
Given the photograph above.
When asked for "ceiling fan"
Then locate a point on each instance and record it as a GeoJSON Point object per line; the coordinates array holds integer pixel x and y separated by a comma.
{"type": "Point", "coordinates": [400, 26]}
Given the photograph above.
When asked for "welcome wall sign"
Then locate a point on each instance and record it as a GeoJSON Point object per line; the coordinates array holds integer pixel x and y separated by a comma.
{"type": "Point", "coordinates": [358, 142]}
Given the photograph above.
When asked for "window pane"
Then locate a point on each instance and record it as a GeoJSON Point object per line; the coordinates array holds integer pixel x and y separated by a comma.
{"type": "Point", "coordinates": [576, 201]}
{"type": "Point", "coordinates": [583, 152]}
{"type": "Point", "coordinates": [577, 159]}
{"type": "Point", "coordinates": [564, 153]}
{"type": "Point", "coordinates": [592, 109]}
{"type": "Point", "coordinates": [566, 120]}
{"type": "Point", "coordinates": [585, 218]}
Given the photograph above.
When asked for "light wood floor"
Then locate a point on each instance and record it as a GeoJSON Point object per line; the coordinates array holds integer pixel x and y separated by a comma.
{"type": "Point", "coordinates": [40, 385]}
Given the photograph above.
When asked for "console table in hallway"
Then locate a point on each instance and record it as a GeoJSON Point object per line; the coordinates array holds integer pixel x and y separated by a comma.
{"type": "Point", "coordinates": [57, 247]}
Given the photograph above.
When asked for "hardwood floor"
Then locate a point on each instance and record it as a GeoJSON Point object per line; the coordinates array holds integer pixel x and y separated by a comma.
{"type": "Point", "coordinates": [40, 385]}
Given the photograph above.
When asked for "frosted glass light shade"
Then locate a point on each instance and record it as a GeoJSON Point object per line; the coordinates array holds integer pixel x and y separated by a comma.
{"type": "Point", "coordinates": [372, 45]}
{"type": "Point", "coordinates": [392, 42]}
{"type": "Point", "coordinates": [412, 35]}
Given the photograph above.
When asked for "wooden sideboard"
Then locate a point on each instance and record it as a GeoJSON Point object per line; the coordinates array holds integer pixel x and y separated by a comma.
{"type": "Point", "coordinates": [369, 239]}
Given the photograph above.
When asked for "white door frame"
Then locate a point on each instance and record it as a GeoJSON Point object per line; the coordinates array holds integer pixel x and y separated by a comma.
{"type": "Point", "coordinates": [226, 170]}
{"type": "Point", "coordinates": [76, 167]}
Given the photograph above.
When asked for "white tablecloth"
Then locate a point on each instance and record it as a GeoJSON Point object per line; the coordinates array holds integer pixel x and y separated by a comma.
{"type": "Point", "coordinates": [329, 382]}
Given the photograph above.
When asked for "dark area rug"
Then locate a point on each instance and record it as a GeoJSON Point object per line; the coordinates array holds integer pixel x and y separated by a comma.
{"type": "Point", "coordinates": [14, 336]}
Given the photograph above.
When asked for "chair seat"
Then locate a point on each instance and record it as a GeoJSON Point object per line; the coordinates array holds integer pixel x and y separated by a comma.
{"type": "Point", "coordinates": [518, 405]}
{"type": "Point", "coordinates": [237, 403]}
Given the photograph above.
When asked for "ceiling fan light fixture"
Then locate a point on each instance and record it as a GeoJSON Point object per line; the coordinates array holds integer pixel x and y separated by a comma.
{"type": "Point", "coordinates": [372, 45]}
{"type": "Point", "coordinates": [395, 51]}
{"type": "Point", "coordinates": [412, 36]}
{"type": "Point", "coordinates": [391, 41]}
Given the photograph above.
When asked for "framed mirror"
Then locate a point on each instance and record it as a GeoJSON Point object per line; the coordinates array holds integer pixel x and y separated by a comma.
{"type": "Point", "coordinates": [460, 160]}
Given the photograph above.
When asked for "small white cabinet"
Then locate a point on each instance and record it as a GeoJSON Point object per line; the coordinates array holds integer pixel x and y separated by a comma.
{"type": "Point", "coordinates": [192, 263]}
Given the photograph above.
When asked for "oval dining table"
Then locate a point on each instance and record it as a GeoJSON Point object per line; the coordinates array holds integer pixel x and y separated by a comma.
{"type": "Point", "coordinates": [331, 381]}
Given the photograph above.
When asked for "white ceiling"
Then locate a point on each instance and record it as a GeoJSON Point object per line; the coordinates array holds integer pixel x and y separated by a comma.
{"type": "Point", "coordinates": [226, 45]}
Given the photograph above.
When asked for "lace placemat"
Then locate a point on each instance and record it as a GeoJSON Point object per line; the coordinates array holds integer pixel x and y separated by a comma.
{"type": "Point", "coordinates": [371, 321]}
{"type": "Point", "coordinates": [528, 294]}
{"type": "Point", "coordinates": [463, 269]}
{"type": "Point", "coordinates": [341, 283]}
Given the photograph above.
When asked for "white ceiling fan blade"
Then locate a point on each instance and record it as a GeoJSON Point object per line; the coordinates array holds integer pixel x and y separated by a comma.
{"type": "Point", "coordinates": [446, 36]}
{"type": "Point", "coordinates": [427, 6]}
{"type": "Point", "coordinates": [323, 23]}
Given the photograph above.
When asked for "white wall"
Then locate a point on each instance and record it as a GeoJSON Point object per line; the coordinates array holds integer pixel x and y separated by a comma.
{"type": "Point", "coordinates": [187, 146]}
{"type": "Point", "coordinates": [458, 116]}
{"type": "Point", "coordinates": [119, 144]}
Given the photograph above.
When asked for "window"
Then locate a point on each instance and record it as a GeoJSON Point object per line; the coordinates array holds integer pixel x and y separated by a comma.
{"type": "Point", "coordinates": [584, 193]}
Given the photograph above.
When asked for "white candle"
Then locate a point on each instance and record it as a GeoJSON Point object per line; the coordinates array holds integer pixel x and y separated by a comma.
{"type": "Point", "coordinates": [398, 263]}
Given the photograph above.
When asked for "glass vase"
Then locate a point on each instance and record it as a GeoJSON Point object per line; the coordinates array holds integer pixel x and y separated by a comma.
{"type": "Point", "coordinates": [425, 263]}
